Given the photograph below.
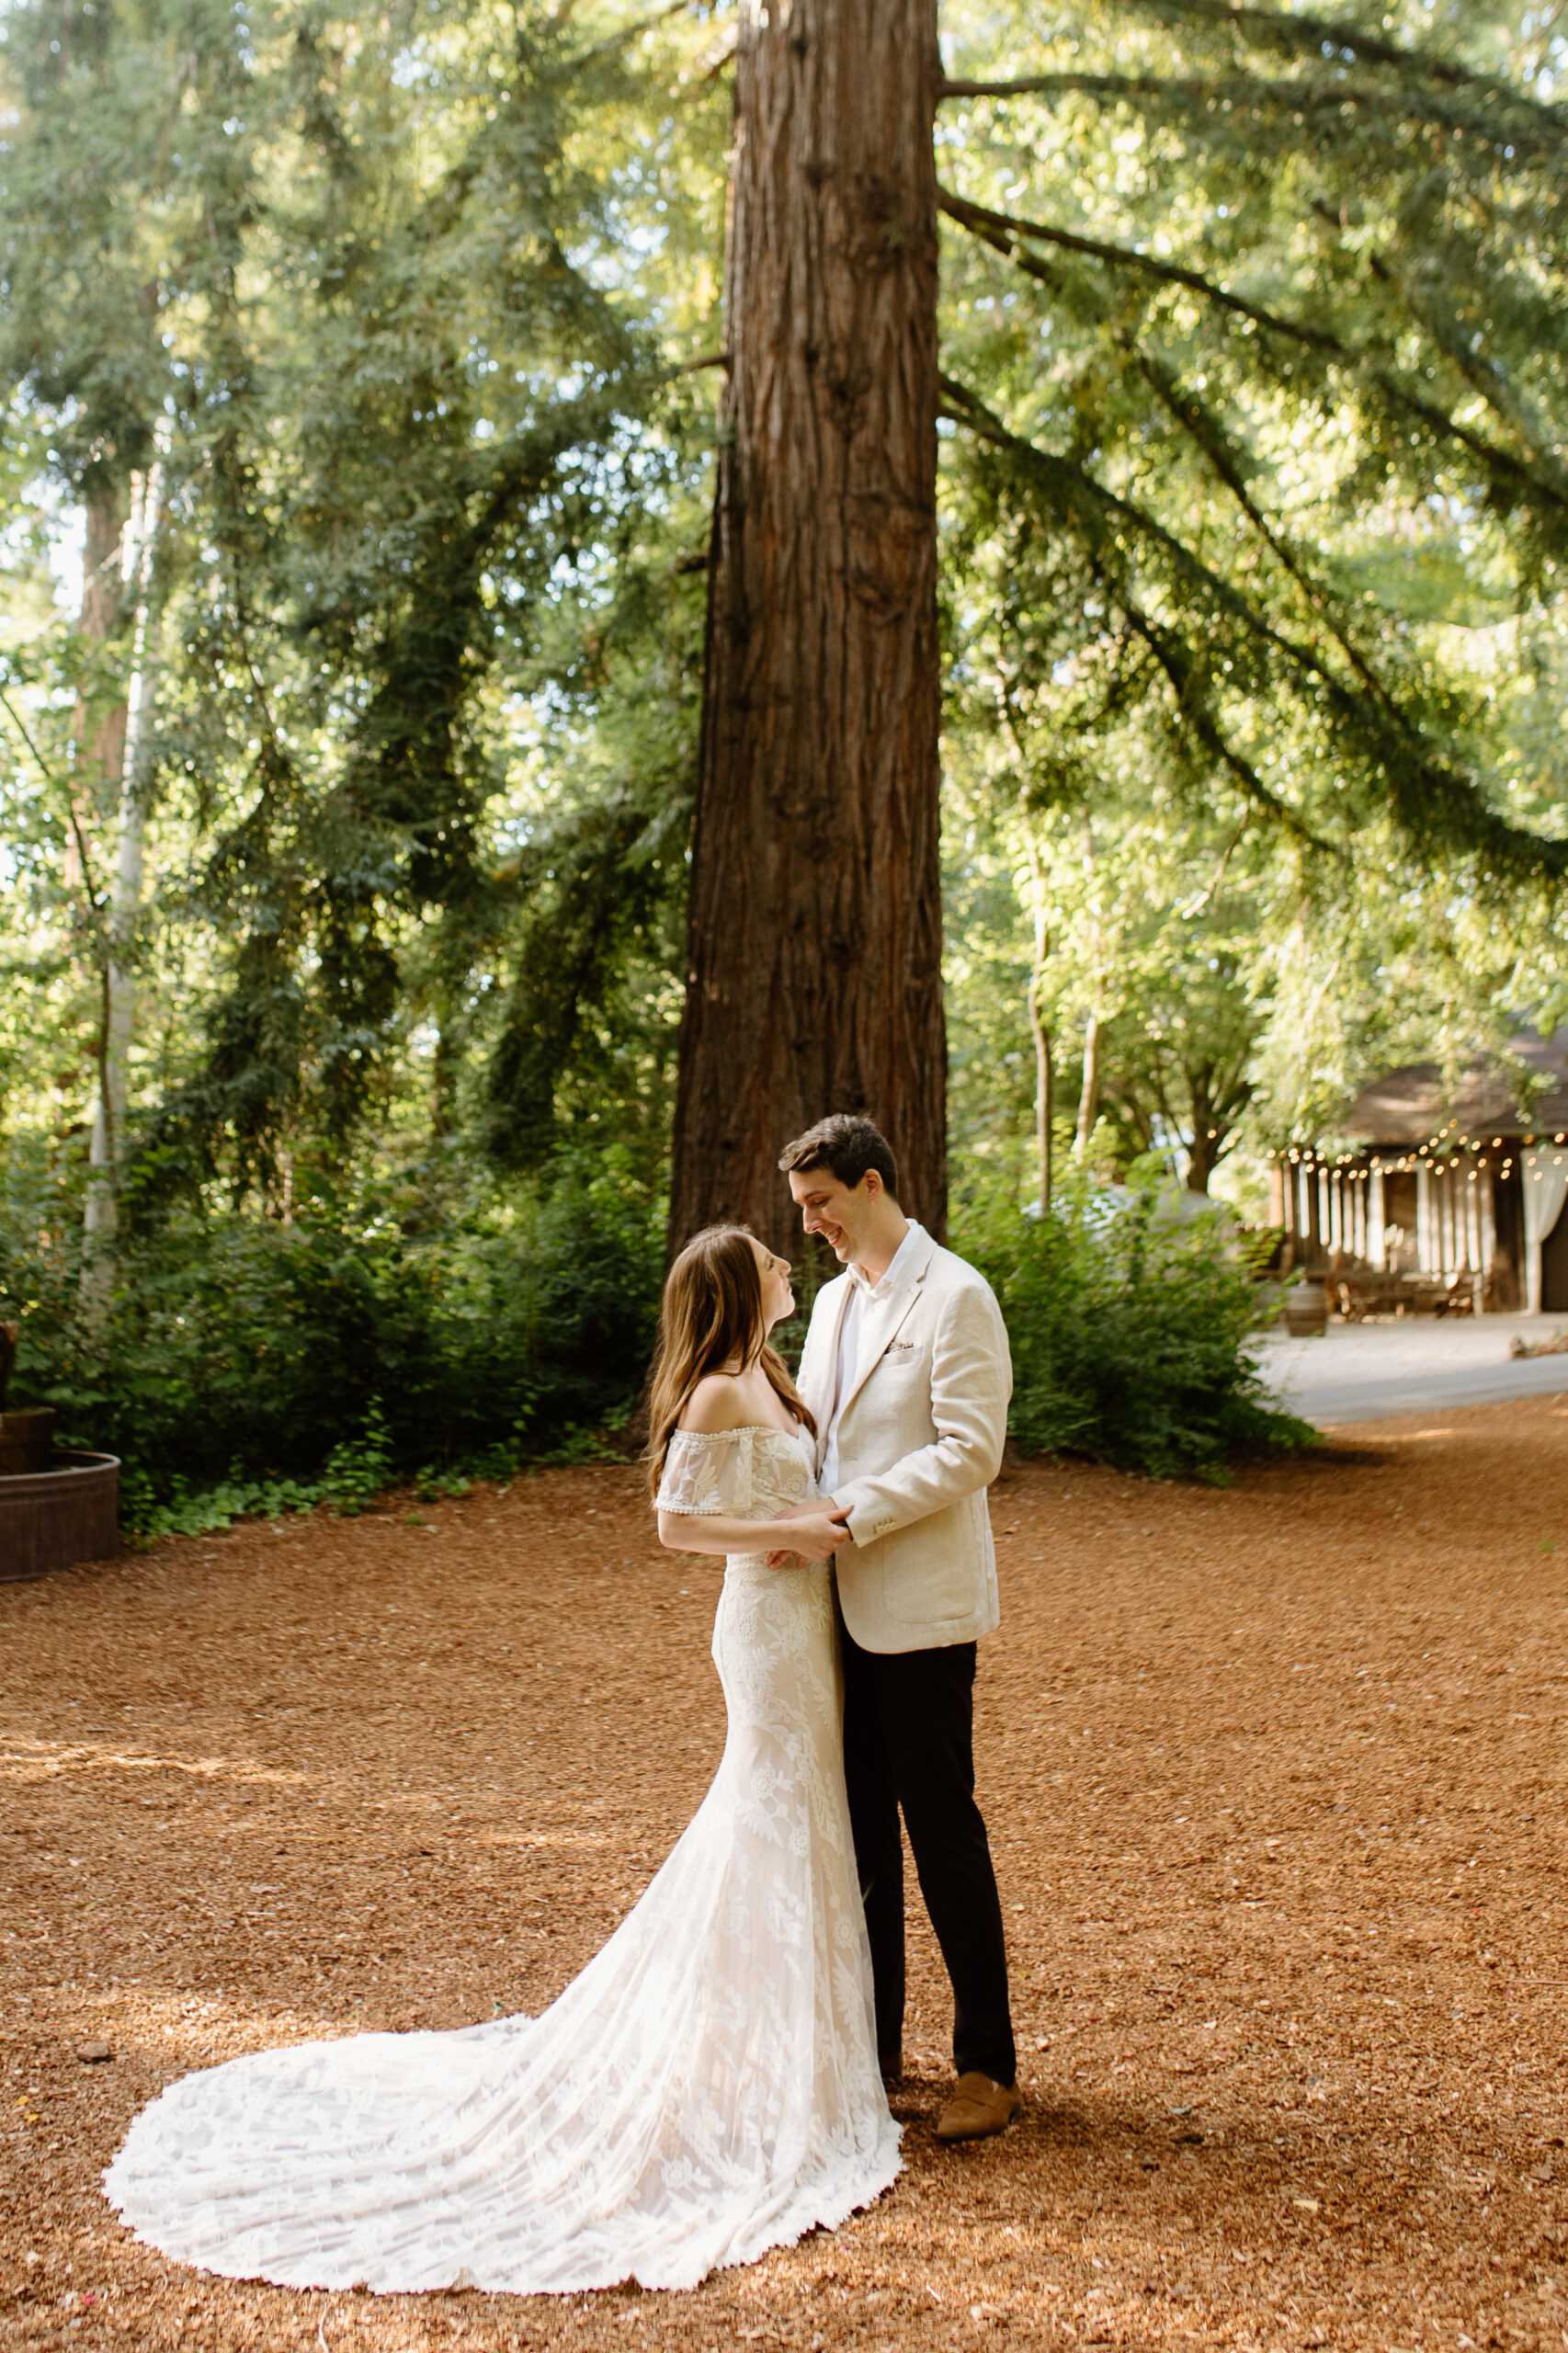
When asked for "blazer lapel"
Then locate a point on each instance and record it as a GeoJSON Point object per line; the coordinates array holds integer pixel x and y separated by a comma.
{"type": "Point", "coordinates": [879, 1327]}
{"type": "Point", "coordinates": [819, 1364]}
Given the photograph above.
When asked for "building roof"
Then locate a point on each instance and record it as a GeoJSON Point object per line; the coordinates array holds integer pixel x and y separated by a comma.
{"type": "Point", "coordinates": [1412, 1105]}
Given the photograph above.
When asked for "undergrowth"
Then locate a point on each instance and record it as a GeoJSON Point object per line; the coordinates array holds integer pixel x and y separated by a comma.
{"type": "Point", "coordinates": [247, 1365]}
{"type": "Point", "coordinates": [249, 1368]}
{"type": "Point", "coordinates": [1128, 1324]}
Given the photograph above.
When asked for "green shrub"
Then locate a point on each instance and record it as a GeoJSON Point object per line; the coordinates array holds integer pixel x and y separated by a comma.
{"type": "Point", "coordinates": [1128, 1327]}
{"type": "Point", "coordinates": [358, 1469]}
{"type": "Point", "coordinates": [356, 1344]}
{"type": "Point", "coordinates": [188, 1513]}
{"type": "Point", "coordinates": [251, 1367]}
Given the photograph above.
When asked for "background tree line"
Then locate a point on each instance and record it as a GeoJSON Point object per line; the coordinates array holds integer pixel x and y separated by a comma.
{"type": "Point", "coordinates": [372, 360]}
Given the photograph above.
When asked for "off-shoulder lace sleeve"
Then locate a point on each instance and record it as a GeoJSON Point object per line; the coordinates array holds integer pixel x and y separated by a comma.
{"type": "Point", "coordinates": [708, 1472]}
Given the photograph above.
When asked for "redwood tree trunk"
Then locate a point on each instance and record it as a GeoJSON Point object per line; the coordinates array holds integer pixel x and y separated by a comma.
{"type": "Point", "coordinates": [814, 957]}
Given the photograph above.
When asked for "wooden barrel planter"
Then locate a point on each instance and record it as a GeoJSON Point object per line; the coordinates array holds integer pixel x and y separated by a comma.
{"type": "Point", "coordinates": [54, 1518]}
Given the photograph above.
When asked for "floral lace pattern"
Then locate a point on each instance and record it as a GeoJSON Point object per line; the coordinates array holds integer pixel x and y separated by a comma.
{"type": "Point", "coordinates": [707, 2089]}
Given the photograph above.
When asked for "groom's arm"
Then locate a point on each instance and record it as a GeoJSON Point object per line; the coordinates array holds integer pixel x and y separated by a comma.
{"type": "Point", "coordinates": [972, 1381]}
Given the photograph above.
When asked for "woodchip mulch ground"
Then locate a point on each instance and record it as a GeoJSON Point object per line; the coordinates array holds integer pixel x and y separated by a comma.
{"type": "Point", "coordinates": [1276, 1777]}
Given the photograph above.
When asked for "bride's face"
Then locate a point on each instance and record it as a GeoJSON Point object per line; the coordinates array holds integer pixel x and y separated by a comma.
{"type": "Point", "coordinates": [777, 1297]}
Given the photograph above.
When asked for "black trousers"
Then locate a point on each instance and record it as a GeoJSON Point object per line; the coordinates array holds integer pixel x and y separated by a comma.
{"type": "Point", "coordinates": [909, 1745]}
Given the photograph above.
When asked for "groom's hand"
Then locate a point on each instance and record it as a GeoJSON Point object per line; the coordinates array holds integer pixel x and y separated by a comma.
{"type": "Point", "coordinates": [818, 1530]}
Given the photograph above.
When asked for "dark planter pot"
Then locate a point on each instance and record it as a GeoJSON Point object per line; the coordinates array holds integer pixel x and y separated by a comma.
{"type": "Point", "coordinates": [50, 1519]}
{"type": "Point", "coordinates": [26, 1440]}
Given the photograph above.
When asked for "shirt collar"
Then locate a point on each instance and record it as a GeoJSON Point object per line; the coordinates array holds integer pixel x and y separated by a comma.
{"type": "Point", "coordinates": [905, 1252]}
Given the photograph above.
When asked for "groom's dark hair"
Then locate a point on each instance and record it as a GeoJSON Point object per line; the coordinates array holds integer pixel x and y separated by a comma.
{"type": "Point", "coordinates": [847, 1145]}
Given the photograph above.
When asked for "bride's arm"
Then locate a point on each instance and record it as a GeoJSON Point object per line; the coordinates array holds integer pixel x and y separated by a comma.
{"type": "Point", "coordinates": [812, 1534]}
{"type": "Point", "coordinates": [717, 1408]}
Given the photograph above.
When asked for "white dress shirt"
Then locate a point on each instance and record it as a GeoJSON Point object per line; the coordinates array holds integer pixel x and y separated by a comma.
{"type": "Point", "coordinates": [860, 1292]}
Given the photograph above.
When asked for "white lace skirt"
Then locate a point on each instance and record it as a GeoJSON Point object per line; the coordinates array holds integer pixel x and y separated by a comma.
{"type": "Point", "coordinates": [708, 2089]}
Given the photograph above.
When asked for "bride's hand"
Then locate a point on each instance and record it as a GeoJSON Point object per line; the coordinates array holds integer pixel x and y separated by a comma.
{"type": "Point", "coordinates": [816, 1532]}
{"type": "Point", "coordinates": [785, 1558]}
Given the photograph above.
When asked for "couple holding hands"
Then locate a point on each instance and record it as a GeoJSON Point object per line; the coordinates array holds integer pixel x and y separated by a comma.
{"type": "Point", "coordinates": [714, 2083]}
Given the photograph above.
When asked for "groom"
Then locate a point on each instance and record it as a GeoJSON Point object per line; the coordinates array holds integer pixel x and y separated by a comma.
{"type": "Point", "coordinates": [907, 1372]}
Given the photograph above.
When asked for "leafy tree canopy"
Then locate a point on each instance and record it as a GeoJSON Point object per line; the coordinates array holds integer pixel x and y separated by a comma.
{"type": "Point", "coordinates": [1255, 525]}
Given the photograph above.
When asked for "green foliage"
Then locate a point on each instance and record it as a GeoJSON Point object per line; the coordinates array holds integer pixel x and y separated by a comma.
{"type": "Point", "coordinates": [339, 1351]}
{"type": "Point", "coordinates": [359, 1468]}
{"type": "Point", "coordinates": [1129, 1326]}
{"type": "Point", "coordinates": [1235, 296]}
{"type": "Point", "coordinates": [434, 1486]}
{"type": "Point", "coordinates": [1255, 521]}
{"type": "Point", "coordinates": [198, 1512]}
{"type": "Point", "coordinates": [396, 294]}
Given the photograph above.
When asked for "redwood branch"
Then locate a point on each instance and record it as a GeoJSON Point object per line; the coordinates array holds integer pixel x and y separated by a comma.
{"type": "Point", "coordinates": [1538, 128]}
{"type": "Point", "coordinates": [1418, 775]}
{"type": "Point", "coordinates": [979, 217]}
{"type": "Point", "coordinates": [1000, 230]}
{"type": "Point", "coordinates": [1274, 28]}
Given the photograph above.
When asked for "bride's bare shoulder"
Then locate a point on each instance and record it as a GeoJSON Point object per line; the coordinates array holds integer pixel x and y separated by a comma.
{"type": "Point", "coordinates": [715, 1404]}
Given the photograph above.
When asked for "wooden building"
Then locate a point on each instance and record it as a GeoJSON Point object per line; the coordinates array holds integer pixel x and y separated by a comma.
{"type": "Point", "coordinates": [1439, 1196]}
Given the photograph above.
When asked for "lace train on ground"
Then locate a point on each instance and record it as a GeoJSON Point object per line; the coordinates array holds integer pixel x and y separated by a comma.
{"type": "Point", "coordinates": [706, 2089]}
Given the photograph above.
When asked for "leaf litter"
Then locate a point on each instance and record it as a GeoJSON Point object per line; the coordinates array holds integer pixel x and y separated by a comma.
{"type": "Point", "coordinates": [1274, 1778]}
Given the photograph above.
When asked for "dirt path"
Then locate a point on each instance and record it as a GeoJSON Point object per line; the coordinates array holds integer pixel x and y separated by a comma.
{"type": "Point", "coordinates": [1276, 1778]}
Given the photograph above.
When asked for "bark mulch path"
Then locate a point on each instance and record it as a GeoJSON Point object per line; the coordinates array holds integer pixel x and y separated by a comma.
{"type": "Point", "coordinates": [1276, 1778]}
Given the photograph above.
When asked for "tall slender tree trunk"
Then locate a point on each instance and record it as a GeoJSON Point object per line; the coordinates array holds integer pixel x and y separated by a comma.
{"type": "Point", "coordinates": [1200, 1161]}
{"type": "Point", "coordinates": [1094, 1041]}
{"type": "Point", "coordinates": [1044, 1090]}
{"type": "Point", "coordinates": [1089, 1091]}
{"type": "Point", "coordinates": [814, 952]}
{"type": "Point", "coordinates": [97, 733]}
{"type": "Point", "coordinates": [97, 730]}
{"type": "Point", "coordinates": [1044, 1095]}
{"type": "Point", "coordinates": [102, 1213]}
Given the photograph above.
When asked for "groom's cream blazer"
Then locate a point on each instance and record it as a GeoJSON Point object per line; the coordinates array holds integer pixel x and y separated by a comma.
{"type": "Point", "coordinates": [919, 1442]}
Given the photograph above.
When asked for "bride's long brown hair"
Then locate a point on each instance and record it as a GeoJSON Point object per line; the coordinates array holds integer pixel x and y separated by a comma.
{"type": "Point", "coordinates": [710, 1316]}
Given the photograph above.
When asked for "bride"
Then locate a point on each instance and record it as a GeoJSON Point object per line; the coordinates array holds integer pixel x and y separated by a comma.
{"type": "Point", "coordinates": [708, 2086]}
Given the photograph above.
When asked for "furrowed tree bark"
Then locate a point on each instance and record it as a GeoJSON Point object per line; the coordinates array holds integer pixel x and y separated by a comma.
{"type": "Point", "coordinates": [814, 950]}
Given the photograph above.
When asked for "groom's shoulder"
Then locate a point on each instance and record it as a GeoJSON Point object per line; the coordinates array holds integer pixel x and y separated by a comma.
{"type": "Point", "coordinates": [948, 1267]}
{"type": "Point", "coordinates": [946, 1271]}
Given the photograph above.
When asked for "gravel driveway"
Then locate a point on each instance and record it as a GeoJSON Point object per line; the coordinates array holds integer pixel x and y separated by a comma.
{"type": "Point", "coordinates": [1362, 1372]}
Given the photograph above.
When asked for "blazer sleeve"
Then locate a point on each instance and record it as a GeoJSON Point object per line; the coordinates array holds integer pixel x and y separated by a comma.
{"type": "Point", "coordinates": [971, 1382]}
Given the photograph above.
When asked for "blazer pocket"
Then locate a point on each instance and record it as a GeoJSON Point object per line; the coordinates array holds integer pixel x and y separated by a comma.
{"type": "Point", "coordinates": [918, 1588]}
{"type": "Point", "coordinates": [938, 1577]}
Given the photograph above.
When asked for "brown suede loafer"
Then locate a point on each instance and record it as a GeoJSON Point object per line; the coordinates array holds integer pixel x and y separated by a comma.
{"type": "Point", "coordinates": [978, 2108]}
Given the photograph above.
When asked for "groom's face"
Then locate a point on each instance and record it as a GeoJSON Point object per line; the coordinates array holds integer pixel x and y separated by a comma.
{"type": "Point", "coordinates": [828, 1207]}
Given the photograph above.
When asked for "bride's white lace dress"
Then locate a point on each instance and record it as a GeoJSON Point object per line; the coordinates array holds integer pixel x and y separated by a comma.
{"type": "Point", "coordinates": [706, 2089]}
